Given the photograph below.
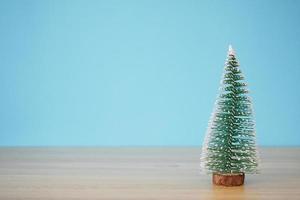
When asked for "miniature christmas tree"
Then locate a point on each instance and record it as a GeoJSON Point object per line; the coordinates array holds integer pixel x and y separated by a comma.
{"type": "Point", "coordinates": [229, 149]}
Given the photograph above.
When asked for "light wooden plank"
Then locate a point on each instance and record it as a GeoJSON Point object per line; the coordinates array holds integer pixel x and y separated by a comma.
{"type": "Point", "coordinates": [137, 173]}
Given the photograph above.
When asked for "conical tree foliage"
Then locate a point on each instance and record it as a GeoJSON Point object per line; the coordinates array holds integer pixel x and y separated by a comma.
{"type": "Point", "coordinates": [229, 145]}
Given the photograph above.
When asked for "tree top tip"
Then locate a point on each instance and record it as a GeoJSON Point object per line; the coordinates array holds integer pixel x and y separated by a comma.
{"type": "Point", "coordinates": [231, 50]}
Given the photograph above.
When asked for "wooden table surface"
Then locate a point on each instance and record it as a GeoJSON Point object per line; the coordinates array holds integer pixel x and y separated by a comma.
{"type": "Point", "coordinates": [137, 173]}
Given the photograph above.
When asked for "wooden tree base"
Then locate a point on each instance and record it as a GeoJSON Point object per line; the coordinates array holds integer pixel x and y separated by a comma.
{"type": "Point", "coordinates": [228, 179]}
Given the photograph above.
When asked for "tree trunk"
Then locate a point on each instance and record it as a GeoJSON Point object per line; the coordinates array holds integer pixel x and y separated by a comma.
{"type": "Point", "coordinates": [228, 179]}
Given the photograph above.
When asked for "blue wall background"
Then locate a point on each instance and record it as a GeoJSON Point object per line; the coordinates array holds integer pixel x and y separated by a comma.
{"type": "Point", "coordinates": [142, 72]}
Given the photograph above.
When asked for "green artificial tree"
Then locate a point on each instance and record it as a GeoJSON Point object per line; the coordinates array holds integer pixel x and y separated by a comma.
{"type": "Point", "coordinates": [229, 149]}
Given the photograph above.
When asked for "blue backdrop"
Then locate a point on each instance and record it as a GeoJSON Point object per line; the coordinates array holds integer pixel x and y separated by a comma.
{"type": "Point", "coordinates": [143, 72]}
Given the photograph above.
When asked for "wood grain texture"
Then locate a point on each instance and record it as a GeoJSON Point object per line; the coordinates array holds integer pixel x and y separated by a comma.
{"type": "Point", "coordinates": [137, 173]}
